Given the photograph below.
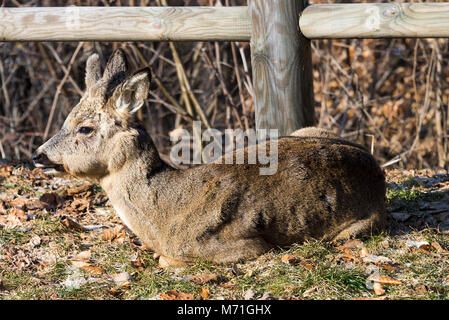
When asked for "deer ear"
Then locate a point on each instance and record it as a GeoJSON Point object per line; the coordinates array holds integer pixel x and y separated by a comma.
{"type": "Point", "coordinates": [131, 94]}
{"type": "Point", "coordinates": [116, 69]}
{"type": "Point", "coordinates": [93, 71]}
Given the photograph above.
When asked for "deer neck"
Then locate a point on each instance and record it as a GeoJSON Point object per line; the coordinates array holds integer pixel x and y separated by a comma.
{"type": "Point", "coordinates": [132, 190]}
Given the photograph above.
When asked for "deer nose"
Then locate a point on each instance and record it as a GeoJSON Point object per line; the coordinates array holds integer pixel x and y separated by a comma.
{"type": "Point", "coordinates": [40, 158]}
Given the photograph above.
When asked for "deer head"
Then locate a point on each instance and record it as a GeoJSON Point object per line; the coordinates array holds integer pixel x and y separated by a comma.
{"type": "Point", "coordinates": [101, 131]}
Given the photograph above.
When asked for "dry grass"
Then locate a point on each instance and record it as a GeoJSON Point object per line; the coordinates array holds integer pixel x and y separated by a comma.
{"type": "Point", "coordinates": [41, 241]}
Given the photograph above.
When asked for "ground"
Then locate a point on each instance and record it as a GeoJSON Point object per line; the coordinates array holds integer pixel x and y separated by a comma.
{"type": "Point", "coordinates": [60, 239]}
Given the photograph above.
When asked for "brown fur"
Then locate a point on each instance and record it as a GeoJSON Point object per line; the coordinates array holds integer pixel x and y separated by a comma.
{"type": "Point", "coordinates": [324, 188]}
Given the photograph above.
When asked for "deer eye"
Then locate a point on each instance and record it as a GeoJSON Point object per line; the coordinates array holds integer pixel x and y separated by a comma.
{"type": "Point", "coordinates": [85, 130]}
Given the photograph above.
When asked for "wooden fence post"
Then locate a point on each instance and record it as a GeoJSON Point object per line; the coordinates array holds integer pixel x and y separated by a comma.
{"type": "Point", "coordinates": [282, 66]}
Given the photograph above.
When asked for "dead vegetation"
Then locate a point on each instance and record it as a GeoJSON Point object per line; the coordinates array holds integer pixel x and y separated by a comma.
{"type": "Point", "coordinates": [389, 94]}
{"type": "Point", "coordinates": [61, 239]}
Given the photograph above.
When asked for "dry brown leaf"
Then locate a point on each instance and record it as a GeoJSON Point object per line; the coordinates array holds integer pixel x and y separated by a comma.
{"type": "Point", "coordinates": [378, 289]}
{"type": "Point", "coordinates": [71, 224]}
{"type": "Point", "coordinates": [363, 252]}
{"type": "Point", "coordinates": [421, 289]}
{"type": "Point", "coordinates": [422, 250]}
{"type": "Point", "coordinates": [80, 264]}
{"type": "Point", "coordinates": [32, 204]}
{"type": "Point", "coordinates": [385, 280]}
{"type": "Point", "coordinates": [2, 286]}
{"type": "Point", "coordinates": [122, 279]}
{"type": "Point", "coordinates": [5, 170]}
{"type": "Point", "coordinates": [6, 197]}
{"type": "Point", "coordinates": [353, 243]}
{"type": "Point", "coordinates": [116, 234]}
{"type": "Point", "coordinates": [93, 269]}
{"type": "Point", "coordinates": [138, 264]}
{"type": "Point", "coordinates": [87, 266]}
{"type": "Point", "coordinates": [84, 255]}
{"type": "Point", "coordinates": [228, 285]}
{"type": "Point", "coordinates": [289, 259]}
{"type": "Point", "coordinates": [51, 200]}
{"type": "Point", "coordinates": [307, 264]}
{"type": "Point", "coordinates": [437, 247]}
{"type": "Point", "coordinates": [79, 189]}
{"type": "Point", "coordinates": [80, 205]}
{"type": "Point", "coordinates": [176, 295]}
{"type": "Point", "coordinates": [205, 278]}
{"type": "Point", "coordinates": [18, 203]}
{"type": "Point", "coordinates": [205, 293]}
{"type": "Point", "coordinates": [19, 213]}
{"type": "Point", "coordinates": [2, 207]}
{"type": "Point", "coordinates": [349, 258]}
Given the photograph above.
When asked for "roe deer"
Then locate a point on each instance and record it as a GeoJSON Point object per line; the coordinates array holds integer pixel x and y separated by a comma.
{"type": "Point", "coordinates": [324, 188]}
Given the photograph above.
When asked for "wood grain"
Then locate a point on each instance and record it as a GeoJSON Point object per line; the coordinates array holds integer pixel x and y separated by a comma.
{"type": "Point", "coordinates": [281, 63]}
{"type": "Point", "coordinates": [125, 24]}
{"type": "Point", "coordinates": [375, 20]}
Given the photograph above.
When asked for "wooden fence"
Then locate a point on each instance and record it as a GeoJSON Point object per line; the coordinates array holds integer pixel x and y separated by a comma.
{"type": "Point", "coordinates": [279, 31]}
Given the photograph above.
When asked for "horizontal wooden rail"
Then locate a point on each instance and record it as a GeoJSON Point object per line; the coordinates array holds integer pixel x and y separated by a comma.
{"type": "Point", "coordinates": [376, 20]}
{"type": "Point", "coordinates": [125, 24]}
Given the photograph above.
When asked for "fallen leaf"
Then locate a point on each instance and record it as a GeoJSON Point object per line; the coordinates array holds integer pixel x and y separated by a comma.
{"type": "Point", "coordinates": [19, 213]}
{"type": "Point", "coordinates": [228, 285]}
{"type": "Point", "coordinates": [2, 207]}
{"type": "Point", "coordinates": [80, 264]}
{"type": "Point", "coordinates": [309, 292]}
{"type": "Point", "coordinates": [364, 252]}
{"type": "Point", "coordinates": [87, 266]}
{"type": "Point", "coordinates": [138, 264]}
{"type": "Point", "coordinates": [437, 247]}
{"type": "Point", "coordinates": [93, 269]}
{"type": "Point", "coordinates": [422, 250]}
{"type": "Point", "coordinates": [121, 279]}
{"type": "Point", "coordinates": [18, 203]}
{"type": "Point", "coordinates": [249, 294]}
{"type": "Point", "coordinates": [116, 234]}
{"type": "Point", "coordinates": [289, 259]}
{"type": "Point", "coordinates": [34, 203]}
{"type": "Point", "coordinates": [205, 293]}
{"type": "Point", "coordinates": [34, 241]}
{"type": "Point", "coordinates": [6, 197]}
{"type": "Point", "coordinates": [80, 205]}
{"type": "Point", "coordinates": [267, 296]}
{"type": "Point", "coordinates": [204, 278]}
{"type": "Point", "coordinates": [51, 200]}
{"type": "Point", "coordinates": [349, 258]}
{"type": "Point", "coordinates": [420, 289]}
{"type": "Point", "coordinates": [84, 255]}
{"type": "Point", "coordinates": [385, 280]}
{"type": "Point", "coordinates": [2, 286]}
{"type": "Point", "coordinates": [378, 289]}
{"type": "Point", "coordinates": [79, 189]}
{"type": "Point", "coordinates": [235, 270]}
{"type": "Point", "coordinates": [71, 224]}
{"type": "Point", "coordinates": [5, 170]}
{"type": "Point", "coordinates": [353, 243]}
{"type": "Point", "coordinates": [307, 264]}
{"type": "Point", "coordinates": [176, 295]}
{"type": "Point", "coordinates": [416, 244]}
{"type": "Point", "coordinates": [372, 258]}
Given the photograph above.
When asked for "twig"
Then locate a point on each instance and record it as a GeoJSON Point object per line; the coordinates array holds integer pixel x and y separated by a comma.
{"type": "Point", "coordinates": [58, 90]}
